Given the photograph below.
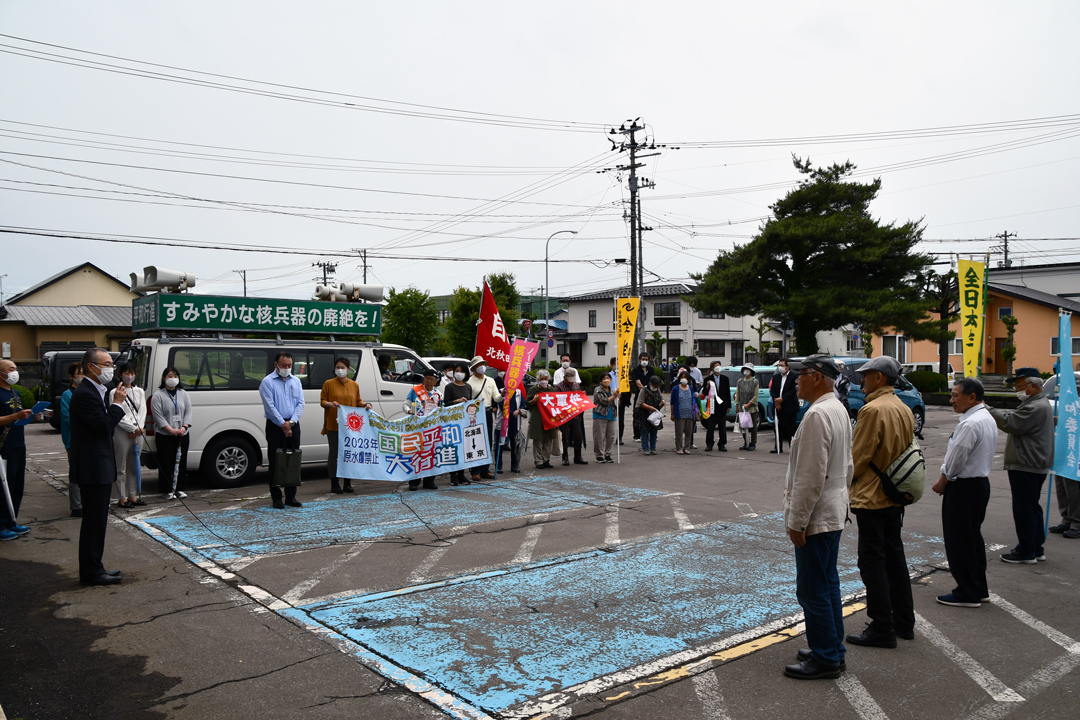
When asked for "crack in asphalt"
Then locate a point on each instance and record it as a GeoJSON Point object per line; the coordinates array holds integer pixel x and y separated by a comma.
{"type": "Point", "coordinates": [182, 696]}
{"type": "Point", "coordinates": [181, 611]}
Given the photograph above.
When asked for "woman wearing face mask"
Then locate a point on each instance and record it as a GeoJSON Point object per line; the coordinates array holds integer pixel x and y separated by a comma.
{"type": "Point", "coordinates": [544, 441]}
{"type": "Point", "coordinates": [127, 439]}
{"type": "Point", "coordinates": [650, 400]}
{"type": "Point", "coordinates": [457, 392]}
{"type": "Point", "coordinates": [683, 412]}
{"type": "Point", "coordinates": [75, 374]}
{"type": "Point", "coordinates": [337, 391]}
{"type": "Point", "coordinates": [605, 402]}
{"type": "Point", "coordinates": [746, 400]}
{"type": "Point", "coordinates": [171, 409]}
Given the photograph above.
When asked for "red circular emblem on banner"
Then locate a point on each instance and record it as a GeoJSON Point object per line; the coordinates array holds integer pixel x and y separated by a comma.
{"type": "Point", "coordinates": [354, 421]}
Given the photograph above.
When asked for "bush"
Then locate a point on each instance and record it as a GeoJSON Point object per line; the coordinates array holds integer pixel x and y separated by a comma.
{"type": "Point", "coordinates": [25, 396]}
{"type": "Point", "coordinates": [927, 382]}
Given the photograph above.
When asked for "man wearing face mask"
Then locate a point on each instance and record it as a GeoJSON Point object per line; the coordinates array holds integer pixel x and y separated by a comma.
{"type": "Point", "coordinates": [484, 388]}
{"type": "Point", "coordinates": [560, 372]}
{"type": "Point", "coordinates": [716, 392]}
{"type": "Point", "coordinates": [786, 404]}
{"type": "Point", "coordinates": [283, 405]}
{"type": "Point", "coordinates": [93, 421]}
{"type": "Point", "coordinates": [12, 448]}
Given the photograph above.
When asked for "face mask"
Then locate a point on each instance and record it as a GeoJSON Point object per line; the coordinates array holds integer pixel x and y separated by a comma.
{"type": "Point", "coordinates": [565, 365]}
{"type": "Point", "coordinates": [783, 371]}
{"type": "Point", "coordinates": [171, 383]}
{"type": "Point", "coordinates": [684, 381]}
{"type": "Point", "coordinates": [13, 377]}
{"type": "Point", "coordinates": [644, 363]}
{"type": "Point", "coordinates": [480, 369]}
{"type": "Point", "coordinates": [1022, 394]}
{"type": "Point", "coordinates": [746, 373]}
{"type": "Point", "coordinates": [129, 379]}
{"type": "Point", "coordinates": [284, 372]}
{"type": "Point", "coordinates": [459, 376]}
{"type": "Point", "coordinates": [341, 372]}
{"type": "Point", "coordinates": [716, 370]}
{"type": "Point", "coordinates": [502, 374]}
{"type": "Point", "coordinates": [606, 384]}
{"type": "Point", "coordinates": [76, 380]}
{"type": "Point", "coordinates": [106, 375]}
{"type": "Point", "coordinates": [542, 383]}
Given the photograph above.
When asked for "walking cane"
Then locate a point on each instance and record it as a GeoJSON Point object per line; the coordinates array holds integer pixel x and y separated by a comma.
{"type": "Point", "coordinates": [7, 492]}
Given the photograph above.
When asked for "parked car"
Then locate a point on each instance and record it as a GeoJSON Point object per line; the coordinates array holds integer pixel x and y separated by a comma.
{"type": "Point", "coordinates": [54, 380]}
{"type": "Point", "coordinates": [1051, 390]}
{"type": "Point", "coordinates": [950, 376]}
{"type": "Point", "coordinates": [907, 392]}
{"type": "Point", "coordinates": [764, 375]}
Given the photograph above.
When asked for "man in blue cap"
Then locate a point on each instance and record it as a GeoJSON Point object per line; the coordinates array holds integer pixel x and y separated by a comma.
{"type": "Point", "coordinates": [1029, 455]}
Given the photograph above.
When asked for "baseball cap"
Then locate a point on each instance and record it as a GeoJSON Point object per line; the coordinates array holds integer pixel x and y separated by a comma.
{"type": "Point", "coordinates": [824, 364]}
{"type": "Point", "coordinates": [888, 366]}
{"type": "Point", "coordinates": [1024, 372]}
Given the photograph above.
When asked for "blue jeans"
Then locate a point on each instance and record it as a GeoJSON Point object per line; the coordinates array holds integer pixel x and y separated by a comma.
{"type": "Point", "coordinates": [817, 586]}
{"type": "Point", "coordinates": [648, 436]}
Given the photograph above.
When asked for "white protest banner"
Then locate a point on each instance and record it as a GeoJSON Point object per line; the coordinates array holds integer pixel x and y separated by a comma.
{"type": "Point", "coordinates": [370, 447]}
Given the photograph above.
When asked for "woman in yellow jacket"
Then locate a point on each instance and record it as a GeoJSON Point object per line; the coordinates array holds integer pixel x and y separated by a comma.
{"type": "Point", "coordinates": [337, 391]}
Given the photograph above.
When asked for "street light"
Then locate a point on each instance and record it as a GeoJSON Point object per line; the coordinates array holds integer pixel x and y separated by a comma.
{"type": "Point", "coordinates": [547, 294]}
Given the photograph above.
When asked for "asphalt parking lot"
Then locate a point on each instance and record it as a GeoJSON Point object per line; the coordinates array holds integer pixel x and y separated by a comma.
{"type": "Point", "coordinates": [662, 587]}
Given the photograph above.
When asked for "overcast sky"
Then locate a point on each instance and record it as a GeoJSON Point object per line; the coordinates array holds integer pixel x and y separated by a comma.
{"type": "Point", "coordinates": [362, 132]}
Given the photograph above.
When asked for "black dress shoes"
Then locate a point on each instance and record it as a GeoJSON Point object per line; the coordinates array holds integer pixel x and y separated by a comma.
{"type": "Point", "coordinates": [279, 505]}
{"type": "Point", "coordinates": [547, 466]}
{"type": "Point", "coordinates": [579, 461]}
{"type": "Point", "coordinates": [805, 654]}
{"type": "Point", "coordinates": [112, 573]}
{"type": "Point", "coordinates": [810, 670]}
{"type": "Point", "coordinates": [869, 638]}
{"type": "Point", "coordinates": [104, 579]}
{"type": "Point", "coordinates": [294, 503]}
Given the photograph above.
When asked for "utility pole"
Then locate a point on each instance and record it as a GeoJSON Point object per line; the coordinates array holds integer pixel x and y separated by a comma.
{"type": "Point", "coordinates": [363, 254]}
{"type": "Point", "coordinates": [327, 268]}
{"type": "Point", "coordinates": [1004, 247]}
{"type": "Point", "coordinates": [243, 274]}
{"type": "Point", "coordinates": [2, 289]}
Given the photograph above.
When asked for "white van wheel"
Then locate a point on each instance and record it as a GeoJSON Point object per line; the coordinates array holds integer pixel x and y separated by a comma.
{"type": "Point", "coordinates": [229, 462]}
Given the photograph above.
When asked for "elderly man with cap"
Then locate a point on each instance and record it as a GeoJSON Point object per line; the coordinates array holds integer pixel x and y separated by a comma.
{"type": "Point", "coordinates": [819, 473]}
{"type": "Point", "coordinates": [885, 429]}
{"type": "Point", "coordinates": [424, 399]}
{"type": "Point", "coordinates": [1029, 455]}
{"type": "Point", "coordinates": [484, 388]}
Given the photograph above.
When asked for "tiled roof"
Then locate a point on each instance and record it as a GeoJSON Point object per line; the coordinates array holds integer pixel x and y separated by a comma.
{"type": "Point", "coordinates": [669, 289]}
{"type": "Point", "coordinates": [60, 276]}
{"type": "Point", "coordinates": [104, 316]}
{"type": "Point", "coordinates": [1035, 296]}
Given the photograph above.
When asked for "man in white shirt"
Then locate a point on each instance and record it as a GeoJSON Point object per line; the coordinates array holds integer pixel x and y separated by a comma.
{"type": "Point", "coordinates": [484, 388]}
{"type": "Point", "coordinates": [965, 485]}
{"type": "Point", "coordinates": [564, 365]}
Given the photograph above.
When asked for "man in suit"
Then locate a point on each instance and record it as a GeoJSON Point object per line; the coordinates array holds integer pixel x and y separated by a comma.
{"type": "Point", "coordinates": [93, 420]}
{"type": "Point", "coordinates": [716, 391]}
{"type": "Point", "coordinates": [786, 402]}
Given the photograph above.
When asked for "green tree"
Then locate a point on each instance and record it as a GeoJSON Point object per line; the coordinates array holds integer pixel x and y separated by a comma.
{"type": "Point", "coordinates": [410, 318]}
{"type": "Point", "coordinates": [658, 342]}
{"type": "Point", "coordinates": [1008, 352]}
{"type": "Point", "coordinates": [822, 262]}
{"type": "Point", "coordinates": [465, 311]}
{"type": "Point", "coordinates": [944, 292]}
{"type": "Point", "coordinates": [504, 290]}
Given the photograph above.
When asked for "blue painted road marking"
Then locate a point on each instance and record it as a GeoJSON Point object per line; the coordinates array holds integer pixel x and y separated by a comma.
{"type": "Point", "coordinates": [228, 534]}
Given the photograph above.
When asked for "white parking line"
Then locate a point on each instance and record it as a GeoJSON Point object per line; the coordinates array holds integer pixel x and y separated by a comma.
{"type": "Point", "coordinates": [864, 705]}
{"type": "Point", "coordinates": [983, 677]}
{"type": "Point", "coordinates": [305, 587]}
{"type": "Point", "coordinates": [680, 515]}
{"type": "Point", "coordinates": [745, 509]}
{"type": "Point", "coordinates": [524, 554]}
{"type": "Point", "coordinates": [707, 688]}
{"type": "Point", "coordinates": [1060, 638]}
{"type": "Point", "coordinates": [418, 575]}
{"type": "Point", "coordinates": [611, 532]}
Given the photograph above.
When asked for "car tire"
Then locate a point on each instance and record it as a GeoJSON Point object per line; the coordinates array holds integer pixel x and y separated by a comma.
{"type": "Point", "coordinates": [229, 462]}
{"type": "Point", "coordinates": [920, 419]}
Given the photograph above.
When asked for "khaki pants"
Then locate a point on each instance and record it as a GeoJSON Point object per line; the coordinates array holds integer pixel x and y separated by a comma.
{"type": "Point", "coordinates": [126, 484]}
{"type": "Point", "coordinates": [542, 451]}
{"type": "Point", "coordinates": [603, 437]}
{"type": "Point", "coordinates": [684, 433]}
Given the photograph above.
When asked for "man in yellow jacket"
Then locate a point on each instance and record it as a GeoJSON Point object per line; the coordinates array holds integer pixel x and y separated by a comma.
{"type": "Point", "coordinates": [883, 431]}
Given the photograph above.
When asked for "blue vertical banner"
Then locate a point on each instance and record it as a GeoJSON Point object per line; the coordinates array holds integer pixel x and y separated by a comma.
{"type": "Point", "coordinates": [1067, 439]}
{"type": "Point", "coordinates": [370, 447]}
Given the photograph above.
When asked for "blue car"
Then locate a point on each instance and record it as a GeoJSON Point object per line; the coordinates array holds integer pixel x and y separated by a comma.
{"type": "Point", "coordinates": [856, 398]}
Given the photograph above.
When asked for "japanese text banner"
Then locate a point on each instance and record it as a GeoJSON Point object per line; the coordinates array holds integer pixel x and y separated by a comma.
{"type": "Point", "coordinates": [972, 277]}
{"type": "Point", "coordinates": [626, 316]}
{"type": "Point", "coordinates": [492, 344]}
{"type": "Point", "coordinates": [556, 408]}
{"type": "Point", "coordinates": [370, 447]}
{"type": "Point", "coordinates": [1067, 437]}
{"type": "Point", "coordinates": [522, 353]}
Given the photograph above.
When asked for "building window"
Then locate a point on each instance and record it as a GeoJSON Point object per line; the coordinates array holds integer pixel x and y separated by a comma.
{"type": "Point", "coordinates": [710, 348]}
{"type": "Point", "coordinates": [711, 316]}
{"type": "Point", "coordinates": [736, 353]}
{"type": "Point", "coordinates": [667, 313]}
{"type": "Point", "coordinates": [560, 349]}
{"type": "Point", "coordinates": [895, 346]}
{"type": "Point", "coordinates": [1075, 346]}
{"type": "Point", "coordinates": [673, 348]}
{"type": "Point", "coordinates": [1003, 311]}
{"type": "Point", "coordinates": [601, 349]}
{"type": "Point", "coordinates": [592, 318]}
{"type": "Point", "coordinates": [954, 347]}
{"type": "Point", "coordinates": [854, 343]}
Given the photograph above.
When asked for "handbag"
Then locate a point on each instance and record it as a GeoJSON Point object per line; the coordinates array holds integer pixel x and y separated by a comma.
{"type": "Point", "coordinates": [656, 417]}
{"type": "Point", "coordinates": [746, 420]}
{"type": "Point", "coordinates": [287, 461]}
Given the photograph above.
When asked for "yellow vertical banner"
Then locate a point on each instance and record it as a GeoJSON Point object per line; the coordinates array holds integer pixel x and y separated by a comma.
{"type": "Point", "coordinates": [972, 321]}
{"type": "Point", "coordinates": [626, 316]}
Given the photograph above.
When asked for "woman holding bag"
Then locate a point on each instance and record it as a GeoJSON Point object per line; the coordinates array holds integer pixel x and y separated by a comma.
{"type": "Point", "coordinates": [746, 400]}
{"type": "Point", "coordinates": [649, 401]}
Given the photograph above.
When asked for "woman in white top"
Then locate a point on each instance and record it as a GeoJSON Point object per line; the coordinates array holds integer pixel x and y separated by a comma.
{"type": "Point", "coordinates": [127, 440]}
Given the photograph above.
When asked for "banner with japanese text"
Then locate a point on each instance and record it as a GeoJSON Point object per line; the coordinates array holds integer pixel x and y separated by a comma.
{"type": "Point", "coordinates": [626, 317]}
{"type": "Point", "coordinates": [370, 447]}
{"type": "Point", "coordinates": [522, 353]}
{"type": "Point", "coordinates": [163, 311]}
{"type": "Point", "coordinates": [556, 408]}
{"type": "Point", "coordinates": [1066, 445]}
{"type": "Point", "coordinates": [492, 344]}
{"type": "Point", "coordinates": [972, 281]}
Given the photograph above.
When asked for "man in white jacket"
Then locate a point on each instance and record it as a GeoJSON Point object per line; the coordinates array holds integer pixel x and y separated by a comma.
{"type": "Point", "coordinates": [127, 439]}
{"type": "Point", "coordinates": [819, 475]}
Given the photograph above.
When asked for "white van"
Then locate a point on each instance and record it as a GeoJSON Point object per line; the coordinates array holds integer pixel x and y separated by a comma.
{"type": "Point", "coordinates": [222, 376]}
{"type": "Point", "coordinates": [950, 377]}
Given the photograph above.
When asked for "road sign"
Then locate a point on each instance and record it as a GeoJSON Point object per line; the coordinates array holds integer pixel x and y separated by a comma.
{"type": "Point", "coordinates": [551, 334]}
{"type": "Point", "coordinates": [527, 324]}
{"type": "Point", "coordinates": [551, 343]}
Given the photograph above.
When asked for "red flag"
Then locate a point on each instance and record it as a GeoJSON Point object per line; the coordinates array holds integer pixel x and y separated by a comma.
{"type": "Point", "coordinates": [556, 408]}
{"type": "Point", "coordinates": [492, 343]}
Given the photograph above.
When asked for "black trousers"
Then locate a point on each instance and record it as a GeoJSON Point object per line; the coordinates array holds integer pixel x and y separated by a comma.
{"type": "Point", "coordinates": [515, 457]}
{"type": "Point", "coordinates": [573, 436]}
{"type": "Point", "coordinates": [786, 423]}
{"type": "Point", "coordinates": [275, 438]}
{"type": "Point", "coordinates": [1027, 513]}
{"type": "Point", "coordinates": [884, 570]}
{"type": "Point", "coordinates": [622, 419]}
{"type": "Point", "coordinates": [95, 520]}
{"type": "Point", "coordinates": [166, 457]}
{"type": "Point", "coordinates": [715, 426]}
{"type": "Point", "coordinates": [962, 513]}
{"type": "Point", "coordinates": [16, 479]}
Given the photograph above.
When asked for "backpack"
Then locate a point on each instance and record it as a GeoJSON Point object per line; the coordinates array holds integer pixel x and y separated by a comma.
{"type": "Point", "coordinates": [905, 478]}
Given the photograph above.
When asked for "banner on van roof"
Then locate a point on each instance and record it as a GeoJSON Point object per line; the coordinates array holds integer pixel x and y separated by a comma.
{"type": "Point", "coordinates": [370, 447]}
{"type": "Point", "coordinates": [253, 315]}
